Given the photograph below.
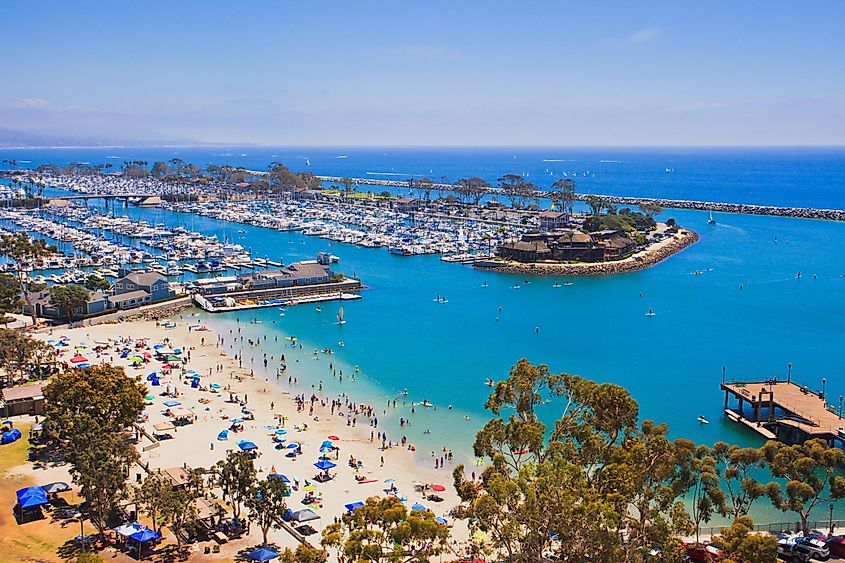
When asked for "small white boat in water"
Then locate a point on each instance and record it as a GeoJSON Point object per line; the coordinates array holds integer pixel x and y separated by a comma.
{"type": "Point", "coordinates": [710, 219]}
{"type": "Point", "coordinates": [340, 319]}
{"type": "Point", "coordinates": [650, 313]}
{"type": "Point", "coordinates": [703, 420]}
{"type": "Point", "coordinates": [556, 285]}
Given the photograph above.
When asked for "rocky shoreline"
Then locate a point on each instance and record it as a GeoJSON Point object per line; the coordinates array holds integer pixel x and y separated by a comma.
{"type": "Point", "coordinates": [746, 209]}
{"type": "Point", "coordinates": [638, 261]}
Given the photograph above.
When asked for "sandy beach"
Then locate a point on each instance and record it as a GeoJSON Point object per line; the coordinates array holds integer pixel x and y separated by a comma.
{"type": "Point", "coordinates": [227, 392]}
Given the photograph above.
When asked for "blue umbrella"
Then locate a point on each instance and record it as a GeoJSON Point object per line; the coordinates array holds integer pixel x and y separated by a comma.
{"type": "Point", "coordinates": [324, 465]}
{"type": "Point", "coordinates": [280, 476]}
{"type": "Point", "coordinates": [281, 431]}
{"type": "Point", "coordinates": [326, 443]}
{"type": "Point", "coordinates": [353, 505]}
{"type": "Point", "coordinates": [325, 450]}
{"type": "Point", "coordinates": [418, 506]}
{"type": "Point", "coordinates": [247, 446]}
{"type": "Point", "coordinates": [440, 520]}
{"type": "Point", "coordinates": [263, 554]}
{"type": "Point", "coordinates": [292, 446]}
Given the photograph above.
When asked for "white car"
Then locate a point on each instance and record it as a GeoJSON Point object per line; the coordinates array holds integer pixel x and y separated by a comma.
{"type": "Point", "coordinates": [800, 548]}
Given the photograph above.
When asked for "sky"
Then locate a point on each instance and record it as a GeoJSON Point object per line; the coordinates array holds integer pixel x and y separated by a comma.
{"type": "Point", "coordinates": [437, 73]}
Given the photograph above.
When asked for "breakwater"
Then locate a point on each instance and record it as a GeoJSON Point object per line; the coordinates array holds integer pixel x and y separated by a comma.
{"type": "Point", "coordinates": [744, 208]}
{"type": "Point", "coordinates": [638, 261]}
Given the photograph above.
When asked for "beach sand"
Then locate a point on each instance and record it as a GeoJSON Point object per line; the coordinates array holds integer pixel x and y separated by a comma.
{"type": "Point", "coordinates": [197, 445]}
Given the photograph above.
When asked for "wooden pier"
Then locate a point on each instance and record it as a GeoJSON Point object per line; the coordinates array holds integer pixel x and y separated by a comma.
{"type": "Point", "coordinates": [783, 410]}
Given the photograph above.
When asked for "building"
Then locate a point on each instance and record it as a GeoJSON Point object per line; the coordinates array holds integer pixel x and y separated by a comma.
{"type": "Point", "coordinates": [569, 246]}
{"type": "Point", "coordinates": [155, 284]}
{"type": "Point", "coordinates": [307, 272]}
{"type": "Point", "coordinates": [97, 303]}
{"type": "Point", "coordinates": [406, 204]}
{"type": "Point", "coordinates": [28, 399]}
{"type": "Point", "coordinates": [553, 221]}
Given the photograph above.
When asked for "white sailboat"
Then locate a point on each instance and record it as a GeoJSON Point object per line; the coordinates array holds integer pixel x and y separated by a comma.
{"type": "Point", "coordinates": [710, 219]}
{"type": "Point", "coordinates": [340, 319]}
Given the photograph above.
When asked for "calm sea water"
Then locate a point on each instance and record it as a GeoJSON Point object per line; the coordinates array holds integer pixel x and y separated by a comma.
{"type": "Point", "coordinates": [671, 363]}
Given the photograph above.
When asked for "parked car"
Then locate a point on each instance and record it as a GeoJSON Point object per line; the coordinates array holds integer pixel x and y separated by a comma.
{"type": "Point", "coordinates": [801, 548]}
{"type": "Point", "coordinates": [836, 545]}
{"type": "Point", "coordinates": [702, 553]}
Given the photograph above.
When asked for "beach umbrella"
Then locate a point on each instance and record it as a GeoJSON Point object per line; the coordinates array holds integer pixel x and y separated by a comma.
{"type": "Point", "coordinates": [78, 359]}
{"type": "Point", "coordinates": [150, 398]}
{"type": "Point", "coordinates": [247, 446]}
{"type": "Point", "coordinates": [326, 443]}
{"type": "Point", "coordinates": [83, 365]}
{"type": "Point", "coordinates": [280, 439]}
{"type": "Point", "coordinates": [325, 450]}
{"type": "Point", "coordinates": [223, 435]}
{"type": "Point", "coordinates": [279, 476]}
{"type": "Point", "coordinates": [333, 437]}
{"type": "Point", "coordinates": [324, 465]}
{"type": "Point", "coordinates": [237, 420]}
{"type": "Point", "coordinates": [440, 520]}
{"type": "Point", "coordinates": [390, 480]}
{"type": "Point", "coordinates": [438, 488]}
{"type": "Point", "coordinates": [418, 506]}
{"type": "Point", "coordinates": [262, 554]}
{"type": "Point", "coordinates": [281, 431]}
{"type": "Point", "coordinates": [353, 505]}
{"type": "Point", "coordinates": [292, 446]}
{"type": "Point", "coordinates": [309, 488]}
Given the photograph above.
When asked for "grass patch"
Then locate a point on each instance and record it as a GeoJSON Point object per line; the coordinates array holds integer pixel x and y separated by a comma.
{"type": "Point", "coordinates": [14, 454]}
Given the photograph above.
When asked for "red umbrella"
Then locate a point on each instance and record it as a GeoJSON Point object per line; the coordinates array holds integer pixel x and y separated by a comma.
{"type": "Point", "coordinates": [438, 488]}
{"type": "Point", "coordinates": [77, 359]}
{"type": "Point", "coordinates": [333, 437]}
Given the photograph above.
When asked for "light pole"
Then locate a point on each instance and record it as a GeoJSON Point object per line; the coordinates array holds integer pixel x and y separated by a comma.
{"type": "Point", "coordinates": [824, 382]}
{"type": "Point", "coordinates": [840, 405]}
{"type": "Point", "coordinates": [789, 372]}
{"type": "Point", "coordinates": [831, 519]}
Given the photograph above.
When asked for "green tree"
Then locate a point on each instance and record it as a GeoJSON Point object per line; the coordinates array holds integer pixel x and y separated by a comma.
{"type": "Point", "coordinates": [152, 496]}
{"type": "Point", "coordinates": [576, 490]}
{"type": "Point", "coordinates": [99, 461]}
{"type": "Point", "coordinates": [266, 504]}
{"type": "Point", "coordinates": [384, 530]}
{"type": "Point", "coordinates": [740, 544]}
{"type": "Point", "coordinates": [563, 194]}
{"type": "Point", "coordinates": [25, 252]}
{"type": "Point", "coordinates": [424, 187]}
{"type": "Point", "coordinates": [10, 294]}
{"type": "Point", "coordinates": [20, 354]}
{"type": "Point", "coordinates": [472, 189]}
{"type": "Point", "coordinates": [95, 283]}
{"type": "Point", "coordinates": [235, 475]}
{"type": "Point", "coordinates": [651, 209]}
{"type": "Point", "coordinates": [512, 186]}
{"type": "Point", "coordinates": [596, 204]}
{"type": "Point", "coordinates": [699, 475]}
{"type": "Point", "coordinates": [69, 299]}
{"type": "Point", "coordinates": [736, 467]}
{"type": "Point", "coordinates": [159, 169]}
{"type": "Point", "coordinates": [348, 186]}
{"type": "Point", "coordinates": [104, 394]}
{"type": "Point", "coordinates": [812, 473]}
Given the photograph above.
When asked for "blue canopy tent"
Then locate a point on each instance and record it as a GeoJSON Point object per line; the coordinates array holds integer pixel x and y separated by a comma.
{"type": "Point", "coordinates": [32, 497]}
{"type": "Point", "coordinates": [324, 465]}
{"type": "Point", "coordinates": [353, 505]}
{"type": "Point", "coordinates": [247, 446]}
{"type": "Point", "coordinates": [172, 403]}
{"type": "Point", "coordinates": [144, 536]}
{"type": "Point", "coordinates": [223, 435]}
{"type": "Point", "coordinates": [418, 506]}
{"type": "Point", "coordinates": [279, 476]}
{"type": "Point", "coordinates": [262, 554]}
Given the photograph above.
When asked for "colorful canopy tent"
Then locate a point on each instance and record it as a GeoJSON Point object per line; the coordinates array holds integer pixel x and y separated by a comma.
{"type": "Point", "coordinates": [304, 515]}
{"type": "Point", "coordinates": [353, 505]}
{"type": "Point", "coordinates": [262, 554]}
{"type": "Point", "coordinates": [418, 506]}
{"type": "Point", "coordinates": [32, 497]}
{"type": "Point", "coordinates": [247, 446]}
{"type": "Point", "coordinates": [77, 359]}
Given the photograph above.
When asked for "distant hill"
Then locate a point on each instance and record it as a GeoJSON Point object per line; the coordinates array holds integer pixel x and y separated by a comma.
{"type": "Point", "coordinates": [12, 138]}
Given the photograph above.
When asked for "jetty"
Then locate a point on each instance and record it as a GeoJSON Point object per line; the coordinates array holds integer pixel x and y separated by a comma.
{"type": "Point", "coordinates": [780, 409]}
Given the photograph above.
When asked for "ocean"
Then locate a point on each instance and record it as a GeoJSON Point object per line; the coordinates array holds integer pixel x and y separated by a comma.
{"type": "Point", "coordinates": [748, 311]}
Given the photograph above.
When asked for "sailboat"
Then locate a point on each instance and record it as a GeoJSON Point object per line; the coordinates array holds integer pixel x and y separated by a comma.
{"type": "Point", "coordinates": [710, 219]}
{"type": "Point", "coordinates": [340, 319]}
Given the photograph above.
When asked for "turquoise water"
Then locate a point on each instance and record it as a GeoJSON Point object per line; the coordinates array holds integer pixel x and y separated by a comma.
{"type": "Point", "coordinates": [671, 363]}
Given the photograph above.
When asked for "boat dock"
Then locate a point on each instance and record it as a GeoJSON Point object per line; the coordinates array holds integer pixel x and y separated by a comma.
{"type": "Point", "coordinates": [278, 297]}
{"type": "Point", "coordinates": [783, 410]}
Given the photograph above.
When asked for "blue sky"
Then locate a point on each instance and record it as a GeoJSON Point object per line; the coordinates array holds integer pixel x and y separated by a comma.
{"type": "Point", "coordinates": [429, 73]}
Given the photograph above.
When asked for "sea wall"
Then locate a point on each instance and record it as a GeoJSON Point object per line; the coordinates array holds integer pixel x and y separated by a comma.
{"type": "Point", "coordinates": [639, 261]}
